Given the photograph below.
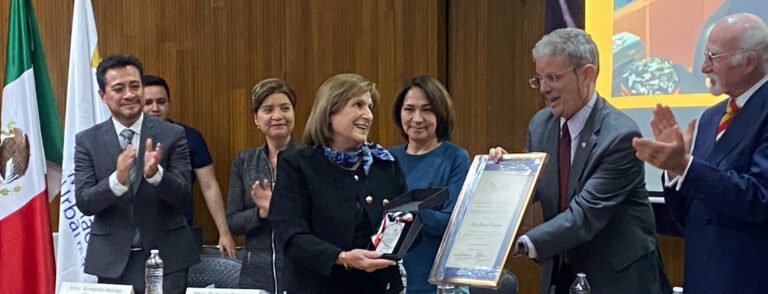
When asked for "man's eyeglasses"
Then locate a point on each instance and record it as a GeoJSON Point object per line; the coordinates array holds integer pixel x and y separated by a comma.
{"type": "Point", "coordinates": [551, 78]}
{"type": "Point", "coordinates": [711, 55]}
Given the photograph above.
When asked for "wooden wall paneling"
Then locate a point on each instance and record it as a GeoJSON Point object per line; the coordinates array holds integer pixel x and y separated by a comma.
{"type": "Point", "coordinates": [489, 45]}
{"type": "Point", "coordinates": [672, 250]}
{"type": "Point", "coordinates": [297, 62]}
{"type": "Point", "coordinates": [513, 32]}
{"type": "Point", "coordinates": [418, 48]}
{"type": "Point", "coordinates": [467, 67]}
{"type": "Point", "coordinates": [370, 38]}
{"type": "Point", "coordinates": [392, 62]}
{"type": "Point", "coordinates": [488, 67]}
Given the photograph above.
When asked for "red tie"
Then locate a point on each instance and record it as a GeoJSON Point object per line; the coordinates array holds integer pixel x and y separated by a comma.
{"type": "Point", "coordinates": [564, 161]}
{"type": "Point", "coordinates": [730, 111]}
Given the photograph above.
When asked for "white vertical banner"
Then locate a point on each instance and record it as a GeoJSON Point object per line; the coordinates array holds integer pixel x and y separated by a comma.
{"type": "Point", "coordinates": [84, 109]}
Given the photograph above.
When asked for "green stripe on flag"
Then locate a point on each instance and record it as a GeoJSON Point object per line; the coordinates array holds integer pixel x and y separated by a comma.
{"type": "Point", "coordinates": [25, 51]}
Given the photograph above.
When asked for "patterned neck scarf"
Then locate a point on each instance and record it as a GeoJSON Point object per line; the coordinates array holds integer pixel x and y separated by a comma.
{"type": "Point", "coordinates": [348, 159]}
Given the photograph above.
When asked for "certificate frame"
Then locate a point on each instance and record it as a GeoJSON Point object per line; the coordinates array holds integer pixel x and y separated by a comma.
{"type": "Point", "coordinates": [485, 220]}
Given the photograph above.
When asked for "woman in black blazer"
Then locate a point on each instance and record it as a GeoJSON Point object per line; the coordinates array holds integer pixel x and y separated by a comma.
{"type": "Point", "coordinates": [328, 196]}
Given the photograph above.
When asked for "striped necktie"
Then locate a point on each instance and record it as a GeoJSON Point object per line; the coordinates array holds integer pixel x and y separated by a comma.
{"type": "Point", "coordinates": [126, 136]}
{"type": "Point", "coordinates": [730, 111]}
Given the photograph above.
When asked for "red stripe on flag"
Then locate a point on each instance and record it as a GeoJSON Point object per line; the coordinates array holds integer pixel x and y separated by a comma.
{"type": "Point", "coordinates": [26, 249]}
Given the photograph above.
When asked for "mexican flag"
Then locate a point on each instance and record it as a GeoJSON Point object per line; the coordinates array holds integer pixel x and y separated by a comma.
{"type": "Point", "coordinates": [30, 133]}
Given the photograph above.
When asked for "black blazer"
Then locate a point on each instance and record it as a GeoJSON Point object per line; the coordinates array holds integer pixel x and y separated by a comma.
{"type": "Point", "coordinates": [156, 210]}
{"type": "Point", "coordinates": [312, 213]}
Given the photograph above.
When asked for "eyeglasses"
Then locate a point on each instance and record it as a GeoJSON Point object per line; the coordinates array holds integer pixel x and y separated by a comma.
{"type": "Point", "coordinates": [551, 78]}
{"type": "Point", "coordinates": [711, 56]}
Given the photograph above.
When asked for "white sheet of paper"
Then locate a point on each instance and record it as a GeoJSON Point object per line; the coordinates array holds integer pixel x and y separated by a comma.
{"type": "Point", "coordinates": [93, 288]}
{"type": "Point", "coordinates": [487, 219]}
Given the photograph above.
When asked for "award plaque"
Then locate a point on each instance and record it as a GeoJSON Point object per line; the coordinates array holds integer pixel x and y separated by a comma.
{"type": "Point", "coordinates": [402, 224]}
{"type": "Point", "coordinates": [391, 237]}
{"type": "Point", "coordinates": [485, 220]}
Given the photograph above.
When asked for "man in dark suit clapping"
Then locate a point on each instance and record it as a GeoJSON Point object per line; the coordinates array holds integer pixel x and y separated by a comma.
{"type": "Point", "coordinates": [716, 182]}
{"type": "Point", "coordinates": [132, 174]}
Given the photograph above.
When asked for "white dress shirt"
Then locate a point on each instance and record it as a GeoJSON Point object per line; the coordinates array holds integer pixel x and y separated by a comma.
{"type": "Point", "coordinates": [117, 188]}
{"type": "Point", "coordinates": [575, 126]}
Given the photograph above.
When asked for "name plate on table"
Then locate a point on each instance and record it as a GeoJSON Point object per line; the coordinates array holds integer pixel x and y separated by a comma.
{"type": "Point", "coordinates": [224, 291]}
{"type": "Point", "coordinates": [90, 288]}
{"type": "Point", "coordinates": [485, 220]}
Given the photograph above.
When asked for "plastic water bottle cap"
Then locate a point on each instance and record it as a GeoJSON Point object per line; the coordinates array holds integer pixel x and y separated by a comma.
{"type": "Point", "coordinates": [154, 251]}
{"type": "Point", "coordinates": [581, 275]}
{"type": "Point", "coordinates": [677, 290]}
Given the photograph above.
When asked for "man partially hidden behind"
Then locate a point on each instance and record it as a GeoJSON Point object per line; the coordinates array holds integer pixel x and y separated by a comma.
{"type": "Point", "coordinates": [718, 191]}
{"type": "Point", "coordinates": [157, 100]}
{"type": "Point", "coordinates": [597, 217]}
{"type": "Point", "coordinates": [132, 174]}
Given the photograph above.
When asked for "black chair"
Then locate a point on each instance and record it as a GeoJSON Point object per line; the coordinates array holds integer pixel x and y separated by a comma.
{"type": "Point", "coordinates": [214, 250]}
{"type": "Point", "coordinates": [222, 272]}
{"type": "Point", "coordinates": [507, 285]}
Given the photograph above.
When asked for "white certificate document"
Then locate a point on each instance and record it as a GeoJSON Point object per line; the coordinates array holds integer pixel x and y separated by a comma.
{"type": "Point", "coordinates": [485, 220]}
{"type": "Point", "coordinates": [488, 217]}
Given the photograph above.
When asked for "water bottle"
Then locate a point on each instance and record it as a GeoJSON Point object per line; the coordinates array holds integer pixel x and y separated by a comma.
{"type": "Point", "coordinates": [677, 290]}
{"type": "Point", "coordinates": [580, 284]}
{"type": "Point", "coordinates": [446, 289]}
{"type": "Point", "coordinates": [403, 275]}
{"type": "Point", "coordinates": [153, 273]}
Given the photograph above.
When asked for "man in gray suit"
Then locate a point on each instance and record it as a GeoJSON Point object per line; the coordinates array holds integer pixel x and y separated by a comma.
{"type": "Point", "coordinates": [134, 189]}
{"type": "Point", "coordinates": [597, 218]}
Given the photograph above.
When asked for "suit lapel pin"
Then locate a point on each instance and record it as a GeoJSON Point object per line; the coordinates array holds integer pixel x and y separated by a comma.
{"type": "Point", "coordinates": [583, 144]}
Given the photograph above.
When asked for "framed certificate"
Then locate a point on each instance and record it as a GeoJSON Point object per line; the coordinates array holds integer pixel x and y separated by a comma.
{"type": "Point", "coordinates": [485, 220]}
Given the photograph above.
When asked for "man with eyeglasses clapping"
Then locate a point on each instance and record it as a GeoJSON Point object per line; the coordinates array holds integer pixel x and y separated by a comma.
{"type": "Point", "coordinates": [716, 182]}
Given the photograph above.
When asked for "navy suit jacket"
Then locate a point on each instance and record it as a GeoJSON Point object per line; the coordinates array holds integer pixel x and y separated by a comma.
{"type": "Point", "coordinates": [723, 202]}
{"type": "Point", "coordinates": [156, 210]}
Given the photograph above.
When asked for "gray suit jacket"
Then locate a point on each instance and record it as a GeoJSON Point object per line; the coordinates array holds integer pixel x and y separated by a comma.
{"type": "Point", "coordinates": [156, 210]}
{"type": "Point", "coordinates": [608, 229]}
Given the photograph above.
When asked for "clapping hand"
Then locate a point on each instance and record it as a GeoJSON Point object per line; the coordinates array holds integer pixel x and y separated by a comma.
{"type": "Point", "coordinates": [671, 147]}
{"type": "Point", "coordinates": [124, 162]}
{"type": "Point", "coordinates": [151, 158]}
{"type": "Point", "coordinates": [261, 194]}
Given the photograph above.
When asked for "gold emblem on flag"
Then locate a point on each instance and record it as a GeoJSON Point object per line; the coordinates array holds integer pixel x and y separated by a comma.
{"type": "Point", "coordinates": [14, 157]}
